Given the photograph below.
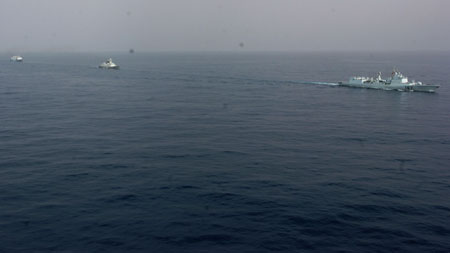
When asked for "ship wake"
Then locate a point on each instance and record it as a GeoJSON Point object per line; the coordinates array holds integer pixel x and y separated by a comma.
{"type": "Point", "coordinates": [321, 83]}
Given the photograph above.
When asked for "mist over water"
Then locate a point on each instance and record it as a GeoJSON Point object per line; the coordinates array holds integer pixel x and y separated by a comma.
{"type": "Point", "coordinates": [223, 25]}
{"type": "Point", "coordinates": [220, 152]}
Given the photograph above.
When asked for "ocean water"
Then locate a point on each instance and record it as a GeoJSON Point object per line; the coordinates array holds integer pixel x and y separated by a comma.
{"type": "Point", "coordinates": [223, 152]}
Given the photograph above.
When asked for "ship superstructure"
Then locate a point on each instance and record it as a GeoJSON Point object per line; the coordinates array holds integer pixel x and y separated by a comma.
{"type": "Point", "coordinates": [397, 81]}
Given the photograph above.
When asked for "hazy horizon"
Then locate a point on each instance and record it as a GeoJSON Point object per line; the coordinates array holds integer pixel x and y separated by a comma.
{"type": "Point", "coordinates": [216, 25]}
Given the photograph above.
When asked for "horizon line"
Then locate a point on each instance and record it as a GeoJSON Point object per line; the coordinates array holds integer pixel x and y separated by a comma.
{"type": "Point", "coordinates": [231, 51]}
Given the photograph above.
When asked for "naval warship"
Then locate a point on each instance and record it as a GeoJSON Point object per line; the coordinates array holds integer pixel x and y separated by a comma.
{"type": "Point", "coordinates": [109, 64]}
{"type": "Point", "coordinates": [397, 81]}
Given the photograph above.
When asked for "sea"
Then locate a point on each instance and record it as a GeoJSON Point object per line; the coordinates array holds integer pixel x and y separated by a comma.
{"type": "Point", "coordinates": [223, 152]}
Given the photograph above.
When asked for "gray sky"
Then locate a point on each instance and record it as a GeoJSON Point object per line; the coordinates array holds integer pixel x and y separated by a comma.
{"type": "Point", "coordinates": [217, 25]}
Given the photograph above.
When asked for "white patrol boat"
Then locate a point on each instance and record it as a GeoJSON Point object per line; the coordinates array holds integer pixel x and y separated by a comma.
{"type": "Point", "coordinates": [16, 58]}
{"type": "Point", "coordinates": [109, 64]}
{"type": "Point", "coordinates": [397, 81]}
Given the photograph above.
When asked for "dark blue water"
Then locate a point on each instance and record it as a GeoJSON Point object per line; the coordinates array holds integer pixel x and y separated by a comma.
{"type": "Point", "coordinates": [222, 152]}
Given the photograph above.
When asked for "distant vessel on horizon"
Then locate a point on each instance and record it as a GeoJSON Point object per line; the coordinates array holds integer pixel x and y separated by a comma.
{"type": "Point", "coordinates": [397, 81]}
{"type": "Point", "coordinates": [16, 58]}
{"type": "Point", "coordinates": [109, 64]}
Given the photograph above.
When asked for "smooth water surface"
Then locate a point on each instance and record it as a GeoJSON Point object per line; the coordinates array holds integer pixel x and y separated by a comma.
{"type": "Point", "coordinates": [223, 152]}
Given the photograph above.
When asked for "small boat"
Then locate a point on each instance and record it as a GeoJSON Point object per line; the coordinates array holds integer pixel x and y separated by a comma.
{"type": "Point", "coordinates": [109, 64]}
{"type": "Point", "coordinates": [397, 81]}
{"type": "Point", "coordinates": [16, 58]}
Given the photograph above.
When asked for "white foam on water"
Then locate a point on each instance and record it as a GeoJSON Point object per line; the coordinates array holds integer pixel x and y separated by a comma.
{"type": "Point", "coordinates": [321, 83]}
